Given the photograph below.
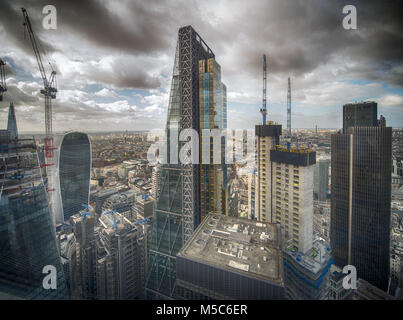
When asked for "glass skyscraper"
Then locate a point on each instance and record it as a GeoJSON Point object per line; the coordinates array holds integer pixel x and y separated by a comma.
{"type": "Point", "coordinates": [361, 194]}
{"type": "Point", "coordinates": [27, 238]}
{"type": "Point", "coordinates": [187, 191]}
{"type": "Point", "coordinates": [73, 174]}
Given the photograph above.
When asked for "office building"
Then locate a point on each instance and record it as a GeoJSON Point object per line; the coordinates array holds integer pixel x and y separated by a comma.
{"type": "Point", "coordinates": [267, 136]}
{"type": "Point", "coordinates": [120, 258]}
{"type": "Point", "coordinates": [100, 196]}
{"type": "Point", "coordinates": [321, 179]}
{"type": "Point", "coordinates": [252, 204]}
{"type": "Point", "coordinates": [123, 202]}
{"type": "Point", "coordinates": [27, 237]}
{"type": "Point", "coordinates": [12, 123]}
{"type": "Point", "coordinates": [83, 227]}
{"type": "Point", "coordinates": [144, 207]}
{"type": "Point", "coordinates": [73, 174]}
{"type": "Point", "coordinates": [361, 114]}
{"type": "Point", "coordinates": [154, 181]}
{"type": "Point", "coordinates": [361, 197]}
{"type": "Point", "coordinates": [187, 190]}
{"type": "Point", "coordinates": [231, 258]}
{"type": "Point", "coordinates": [307, 274]}
{"type": "Point", "coordinates": [292, 193]}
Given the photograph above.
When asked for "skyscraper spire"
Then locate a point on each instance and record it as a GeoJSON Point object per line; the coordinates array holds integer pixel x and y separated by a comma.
{"type": "Point", "coordinates": [12, 122]}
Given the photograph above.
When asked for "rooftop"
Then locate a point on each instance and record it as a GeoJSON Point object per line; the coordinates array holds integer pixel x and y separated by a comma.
{"type": "Point", "coordinates": [315, 259]}
{"type": "Point", "coordinates": [238, 245]}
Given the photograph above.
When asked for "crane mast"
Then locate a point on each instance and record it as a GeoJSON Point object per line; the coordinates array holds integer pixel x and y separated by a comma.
{"type": "Point", "coordinates": [49, 84]}
{"type": "Point", "coordinates": [289, 108]}
{"type": "Point", "coordinates": [49, 91]}
{"type": "Point", "coordinates": [263, 110]}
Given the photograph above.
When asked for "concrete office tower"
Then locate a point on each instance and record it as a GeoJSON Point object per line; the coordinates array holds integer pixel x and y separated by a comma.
{"type": "Point", "coordinates": [321, 179]}
{"type": "Point", "coordinates": [231, 258]}
{"type": "Point", "coordinates": [27, 238]}
{"type": "Point", "coordinates": [197, 101]}
{"type": "Point", "coordinates": [252, 204]}
{"type": "Point", "coordinates": [144, 207]}
{"type": "Point", "coordinates": [123, 202]}
{"type": "Point", "coordinates": [292, 193]}
{"type": "Point", "coordinates": [120, 259]}
{"type": "Point", "coordinates": [267, 136]}
{"type": "Point", "coordinates": [154, 181]}
{"type": "Point", "coordinates": [307, 274]}
{"type": "Point", "coordinates": [361, 198]}
{"type": "Point", "coordinates": [72, 175]}
{"type": "Point", "coordinates": [83, 227]}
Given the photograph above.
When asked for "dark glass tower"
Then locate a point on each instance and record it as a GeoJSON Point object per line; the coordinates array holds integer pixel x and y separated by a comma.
{"type": "Point", "coordinates": [27, 239]}
{"type": "Point", "coordinates": [197, 101]}
{"type": "Point", "coordinates": [361, 199]}
{"type": "Point", "coordinates": [74, 174]}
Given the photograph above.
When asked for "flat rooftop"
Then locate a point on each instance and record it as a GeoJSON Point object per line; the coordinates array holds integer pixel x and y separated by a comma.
{"type": "Point", "coordinates": [315, 259]}
{"type": "Point", "coordinates": [243, 246]}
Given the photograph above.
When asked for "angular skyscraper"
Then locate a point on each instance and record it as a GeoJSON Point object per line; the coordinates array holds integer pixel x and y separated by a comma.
{"type": "Point", "coordinates": [187, 191]}
{"type": "Point", "coordinates": [27, 238]}
{"type": "Point", "coordinates": [12, 123]}
{"type": "Point", "coordinates": [361, 197]}
{"type": "Point", "coordinates": [72, 177]}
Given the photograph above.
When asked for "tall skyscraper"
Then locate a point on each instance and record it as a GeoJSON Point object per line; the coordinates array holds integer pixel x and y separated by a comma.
{"type": "Point", "coordinates": [362, 114]}
{"type": "Point", "coordinates": [361, 195]}
{"type": "Point", "coordinates": [12, 123]}
{"type": "Point", "coordinates": [321, 178]}
{"type": "Point", "coordinates": [292, 193]}
{"type": "Point", "coordinates": [267, 136]}
{"type": "Point", "coordinates": [83, 228]}
{"type": "Point", "coordinates": [73, 174]}
{"type": "Point", "coordinates": [154, 180]}
{"type": "Point", "coordinates": [187, 190]}
{"type": "Point", "coordinates": [27, 238]}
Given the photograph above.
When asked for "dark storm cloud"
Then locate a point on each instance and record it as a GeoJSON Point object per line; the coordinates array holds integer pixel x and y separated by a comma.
{"type": "Point", "coordinates": [298, 36]}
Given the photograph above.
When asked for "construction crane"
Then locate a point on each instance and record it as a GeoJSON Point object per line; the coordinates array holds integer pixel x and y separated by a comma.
{"type": "Point", "coordinates": [289, 108]}
{"type": "Point", "coordinates": [263, 110]}
{"type": "Point", "coordinates": [49, 83]}
{"type": "Point", "coordinates": [49, 91]}
{"type": "Point", "coordinates": [3, 86]}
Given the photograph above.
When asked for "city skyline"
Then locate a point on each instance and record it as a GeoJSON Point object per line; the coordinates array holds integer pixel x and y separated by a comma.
{"type": "Point", "coordinates": [226, 199]}
{"type": "Point", "coordinates": [122, 83]}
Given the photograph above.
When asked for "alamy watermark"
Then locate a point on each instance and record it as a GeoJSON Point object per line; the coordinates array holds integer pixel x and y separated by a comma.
{"type": "Point", "coordinates": [214, 146]}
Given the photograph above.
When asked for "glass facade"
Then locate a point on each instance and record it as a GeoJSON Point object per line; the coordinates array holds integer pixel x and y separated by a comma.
{"type": "Point", "coordinates": [74, 172]}
{"type": "Point", "coordinates": [212, 116]}
{"type": "Point", "coordinates": [361, 200]}
{"type": "Point", "coordinates": [197, 101]}
{"type": "Point", "coordinates": [27, 238]}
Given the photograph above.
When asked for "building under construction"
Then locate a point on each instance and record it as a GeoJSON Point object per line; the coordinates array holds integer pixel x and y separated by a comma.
{"type": "Point", "coordinates": [27, 238]}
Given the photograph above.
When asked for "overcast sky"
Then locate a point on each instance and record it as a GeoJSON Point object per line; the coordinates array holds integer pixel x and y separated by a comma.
{"type": "Point", "coordinates": [114, 60]}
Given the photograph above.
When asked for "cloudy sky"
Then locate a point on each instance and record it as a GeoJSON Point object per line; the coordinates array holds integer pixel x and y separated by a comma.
{"type": "Point", "coordinates": [114, 60]}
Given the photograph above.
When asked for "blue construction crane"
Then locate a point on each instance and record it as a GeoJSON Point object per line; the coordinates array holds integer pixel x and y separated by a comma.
{"type": "Point", "coordinates": [114, 219]}
{"type": "Point", "coordinates": [85, 214]}
{"type": "Point", "coordinates": [145, 196]}
{"type": "Point", "coordinates": [86, 206]}
{"type": "Point", "coordinates": [142, 221]}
